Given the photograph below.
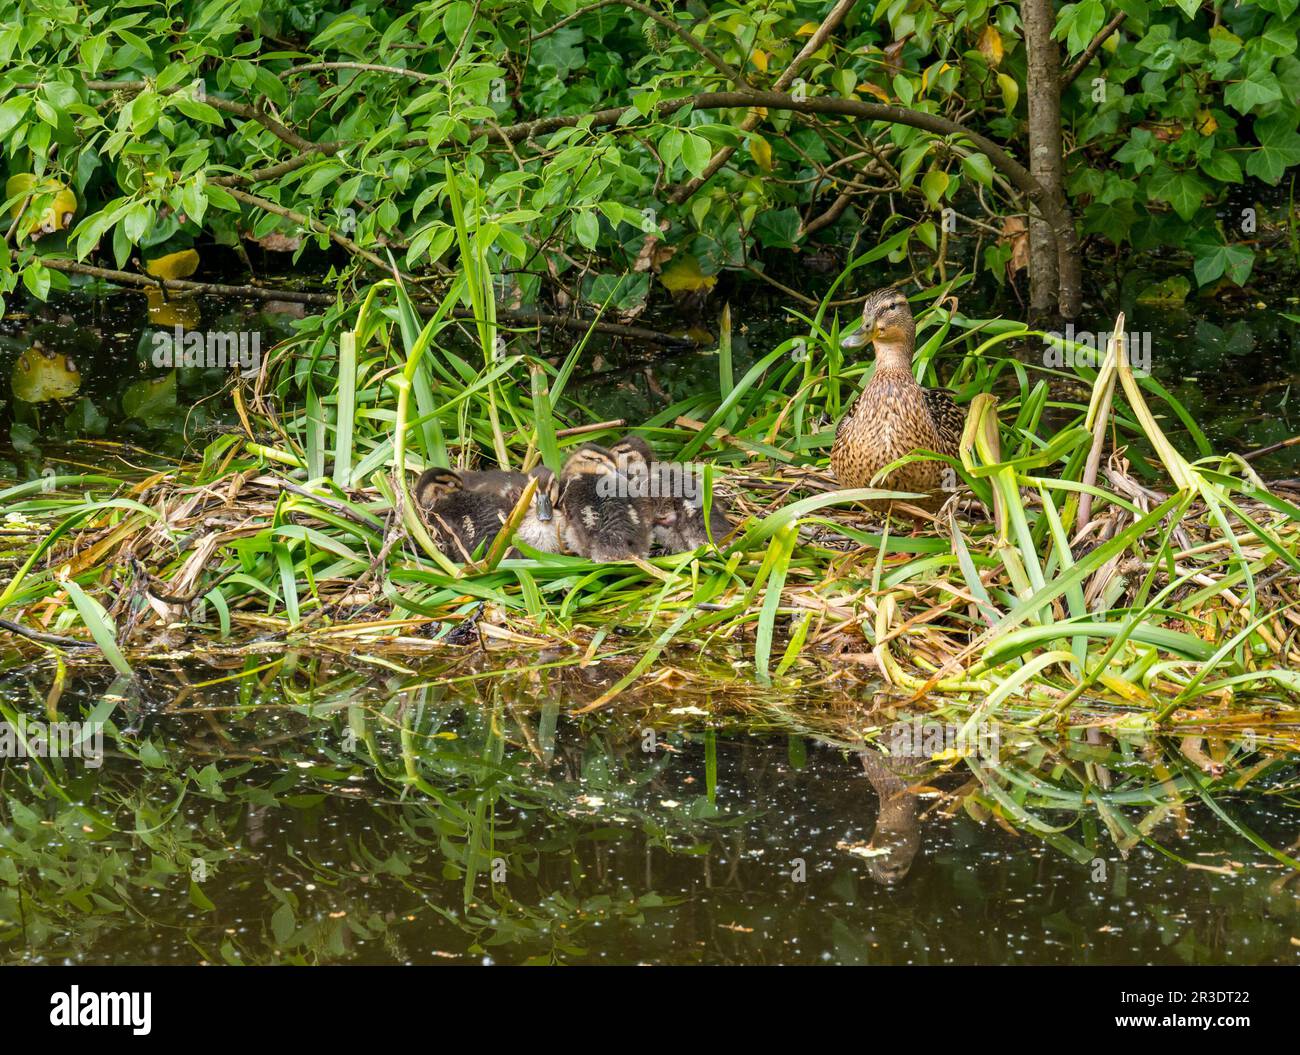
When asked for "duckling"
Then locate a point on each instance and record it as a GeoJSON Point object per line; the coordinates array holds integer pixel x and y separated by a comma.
{"type": "Point", "coordinates": [464, 510]}
{"type": "Point", "coordinates": [504, 482]}
{"type": "Point", "coordinates": [604, 518]}
{"type": "Point", "coordinates": [894, 415]}
{"type": "Point", "coordinates": [541, 527]}
{"type": "Point", "coordinates": [676, 496]}
{"type": "Point", "coordinates": [691, 530]}
{"type": "Point", "coordinates": [460, 519]}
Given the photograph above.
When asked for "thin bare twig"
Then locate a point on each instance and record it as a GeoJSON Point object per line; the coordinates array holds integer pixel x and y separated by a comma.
{"type": "Point", "coordinates": [1081, 63]}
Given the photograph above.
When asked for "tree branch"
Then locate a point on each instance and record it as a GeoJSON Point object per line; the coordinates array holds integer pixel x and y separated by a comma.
{"type": "Point", "coordinates": [244, 110]}
{"type": "Point", "coordinates": [1056, 213]}
{"type": "Point", "coordinates": [509, 316]}
{"type": "Point", "coordinates": [1081, 63]}
{"type": "Point", "coordinates": [43, 638]}
{"type": "Point", "coordinates": [316, 225]}
{"type": "Point", "coordinates": [398, 71]}
{"type": "Point", "coordinates": [832, 21]}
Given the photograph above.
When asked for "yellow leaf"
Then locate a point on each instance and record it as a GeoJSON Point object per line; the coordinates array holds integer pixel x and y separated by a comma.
{"type": "Point", "coordinates": [173, 309]}
{"type": "Point", "coordinates": [685, 276]}
{"type": "Point", "coordinates": [1205, 123]}
{"type": "Point", "coordinates": [759, 59]}
{"type": "Point", "coordinates": [1010, 92]}
{"type": "Point", "coordinates": [806, 30]}
{"type": "Point", "coordinates": [925, 76]}
{"type": "Point", "coordinates": [59, 209]}
{"type": "Point", "coordinates": [990, 44]}
{"type": "Point", "coordinates": [174, 265]}
{"type": "Point", "coordinates": [874, 89]}
{"type": "Point", "coordinates": [39, 378]}
{"type": "Point", "coordinates": [761, 151]}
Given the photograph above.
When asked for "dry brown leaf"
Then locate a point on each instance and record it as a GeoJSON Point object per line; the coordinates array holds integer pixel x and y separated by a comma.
{"type": "Point", "coordinates": [654, 253]}
{"type": "Point", "coordinates": [1015, 232]}
{"type": "Point", "coordinates": [278, 242]}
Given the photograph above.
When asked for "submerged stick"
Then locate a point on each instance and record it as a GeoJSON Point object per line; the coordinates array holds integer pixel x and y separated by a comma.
{"type": "Point", "coordinates": [507, 315]}
{"type": "Point", "coordinates": [42, 638]}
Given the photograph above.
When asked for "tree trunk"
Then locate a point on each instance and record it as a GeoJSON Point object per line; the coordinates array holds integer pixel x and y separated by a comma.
{"type": "Point", "coordinates": [1053, 263]}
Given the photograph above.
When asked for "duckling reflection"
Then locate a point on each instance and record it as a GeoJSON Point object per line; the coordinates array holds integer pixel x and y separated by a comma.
{"type": "Point", "coordinates": [898, 831]}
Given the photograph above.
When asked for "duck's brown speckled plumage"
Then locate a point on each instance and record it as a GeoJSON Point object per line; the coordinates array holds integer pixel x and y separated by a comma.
{"type": "Point", "coordinates": [894, 415]}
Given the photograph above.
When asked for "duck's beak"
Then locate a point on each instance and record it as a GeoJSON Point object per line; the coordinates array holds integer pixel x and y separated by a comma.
{"type": "Point", "coordinates": [545, 510]}
{"type": "Point", "coordinates": [857, 340]}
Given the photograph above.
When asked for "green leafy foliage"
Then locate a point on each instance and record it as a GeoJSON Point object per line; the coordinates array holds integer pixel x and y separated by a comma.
{"type": "Point", "coordinates": [324, 123]}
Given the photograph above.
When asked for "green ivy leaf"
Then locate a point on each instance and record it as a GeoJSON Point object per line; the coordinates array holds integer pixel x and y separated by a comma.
{"type": "Point", "coordinates": [37, 280]}
{"type": "Point", "coordinates": [1223, 167]}
{"type": "Point", "coordinates": [1236, 261]}
{"type": "Point", "coordinates": [1279, 148]}
{"type": "Point", "coordinates": [979, 168]}
{"type": "Point", "coordinates": [1183, 190]}
{"type": "Point", "coordinates": [696, 153]}
{"type": "Point", "coordinates": [933, 184]}
{"type": "Point", "coordinates": [586, 228]}
{"type": "Point", "coordinates": [11, 112]}
{"type": "Point", "coordinates": [1256, 89]}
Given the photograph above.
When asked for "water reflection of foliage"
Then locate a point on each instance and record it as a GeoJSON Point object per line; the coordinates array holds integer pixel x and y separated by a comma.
{"type": "Point", "coordinates": [466, 803]}
{"type": "Point", "coordinates": [344, 816]}
{"type": "Point", "coordinates": [1094, 786]}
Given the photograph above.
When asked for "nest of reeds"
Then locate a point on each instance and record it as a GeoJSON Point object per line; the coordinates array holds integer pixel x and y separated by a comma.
{"type": "Point", "coordinates": [1053, 574]}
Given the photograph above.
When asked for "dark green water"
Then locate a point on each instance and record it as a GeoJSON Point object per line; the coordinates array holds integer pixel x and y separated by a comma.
{"type": "Point", "coordinates": [336, 816]}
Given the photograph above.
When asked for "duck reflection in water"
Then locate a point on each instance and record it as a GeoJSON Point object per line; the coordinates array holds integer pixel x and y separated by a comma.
{"type": "Point", "coordinates": [897, 837]}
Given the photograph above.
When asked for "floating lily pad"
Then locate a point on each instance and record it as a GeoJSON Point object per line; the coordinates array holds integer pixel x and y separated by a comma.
{"type": "Point", "coordinates": [40, 376]}
{"type": "Point", "coordinates": [1172, 290]}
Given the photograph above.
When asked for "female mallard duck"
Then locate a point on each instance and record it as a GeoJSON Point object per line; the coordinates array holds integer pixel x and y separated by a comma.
{"type": "Point", "coordinates": [894, 415]}
{"type": "Point", "coordinates": [605, 518]}
{"type": "Point", "coordinates": [676, 499]}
